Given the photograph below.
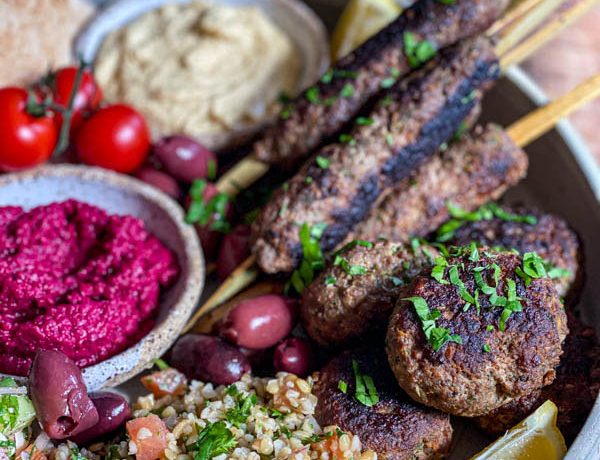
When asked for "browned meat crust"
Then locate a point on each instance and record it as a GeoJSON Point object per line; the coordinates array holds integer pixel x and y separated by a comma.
{"type": "Point", "coordinates": [551, 238]}
{"type": "Point", "coordinates": [574, 391]}
{"type": "Point", "coordinates": [466, 379]}
{"type": "Point", "coordinates": [477, 169]}
{"type": "Point", "coordinates": [303, 125]}
{"type": "Point", "coordinates": [396, 427]}
{"type": "Point", "coordinates": [341, 312]}
{"type": "Point", "coordinates": [402, 133]}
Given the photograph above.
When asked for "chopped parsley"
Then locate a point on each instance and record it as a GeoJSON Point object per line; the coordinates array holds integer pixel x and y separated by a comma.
{"type": "Point", "coordinates": [387, 83]}
{"type": "Point", "coordinates": [447, 2]}
{"type": "Point", "coordinates": [238, 414]}
{"type": "Point", "coordinates": [313, 95]}
{"type": "Point", "coordinates": [347, 90]}
{"type": "Point", "coordinates": [352, 270]}
{"type": "Point", "coordinates": [16, 410]}
{"type": "Point", "coordinates": [436, 336]}
{"type": "Point", "coordinates": [215, 439]}
{"type": "Point", "coordinates": [513, 304]}
{"type": "Point", "coordinates": [312, 257]}
{"type": "Point", "coordinates": [533, 267]}
{"type": "Point", "coordinates": [486, 348]}
{"type": "Point", "coordinates": [343, 386]}
{"type": "Point", "coordinates": [212, 213]}
{"type": "Point", "coordinates": [365, 392]}
{"type": "Point", "coordinates": [347, 139]}
{"type": "Point", "coordinates": [323, 162]}
{"type": "Point", "coordinates": [417, 52]}
{"type": "Point", "coordinates": [330, 281]}
{"type": "Point", "coordinates": [364, 121]}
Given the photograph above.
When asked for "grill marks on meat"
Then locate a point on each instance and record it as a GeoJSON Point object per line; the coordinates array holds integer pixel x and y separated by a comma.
{"type": "Point", "coordinates": [406, 129]}
{"type": "Point", "coordinates": [396, 427]}
{"type": "Point", "coordinates": [465, 379]}
{"type": "Point", "coordinates": [477, 169]}
{"type": "Point", "coordinates": [551, 238]}
{"type": "Point", "coordinates": [574, 390]}
{"type": "Point", "coordinates": [356, 306]}
{"type": "Point", "coordinates": [309, 124]}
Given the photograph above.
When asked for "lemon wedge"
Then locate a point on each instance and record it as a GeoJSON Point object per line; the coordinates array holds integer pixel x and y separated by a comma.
{"type": "Point", "coordinates": [360, 20]}
{"type": "Point", "coordinates": [535, 438]}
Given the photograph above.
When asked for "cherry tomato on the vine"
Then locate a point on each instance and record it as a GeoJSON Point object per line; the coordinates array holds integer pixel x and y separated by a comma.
{"type": "Point", "coordinates": [26, 140]}
{"type": "Point", "coordinates": [87, 99]}
{"type": "Point", "coordinates": [115, 137]}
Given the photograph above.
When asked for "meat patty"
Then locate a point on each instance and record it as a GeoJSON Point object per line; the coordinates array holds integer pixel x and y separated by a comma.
{"type": "Point", "coordinates": [548, 235]}
{"type": "Point", "coordinates": [470, 336]}
{"type": "Point", "coordinates": [339, 308]}
{"type": "Point", "coordinates": [307, 121]}
{"type": "Point", "coordinates": [338, 186]}
{"type": "Point", "coordinates": [396, 427]}
{"type": "Point", "coordinates": [574, 391]}
{"type": "Point", "coordinates": [478, 168]}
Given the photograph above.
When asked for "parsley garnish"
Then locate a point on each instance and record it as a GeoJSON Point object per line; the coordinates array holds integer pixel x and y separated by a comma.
{"type": "Point", "coordinates": [417, 52]}
{"type": "Point", "coordinates": [330, 281]}
{"type": "Point", "coordinates": [364, 121]}
{"type": "Point", "coordinates": [513, 304]}
{"type": "Point", "coordinates": [215, 439]}
{"type": "Point", "coordinates": [238, 414]}
{"type": "Point", "coordinates": [533, 267]}
{"type": "Point", "coordinates": [342, 386]}
{"type": "Point", "coordinates": [347, 139]}
{"type": "Point", "coordinates": [16, 410]}
{"type": "Point", "coordinates": [313, 95]}
{"type": "Point", "coordinates": [388, 82]}
{"type": "Point", "coordinates": [213, 212]}
{"type": "Point", "coordinates": [352, 270]}
{"type": "Point", "coordinates": [436, 336]}
{"type": "Point", "coordinates": [347, 90]}
{"type": "Point", "coordinates": [312, 260]}
{"type": "Point", "coordinates": [322, 162]}
{"type": "Point", "coordinates": [486, 348]}
{"type": "Point", "coordinates": [365, 392]}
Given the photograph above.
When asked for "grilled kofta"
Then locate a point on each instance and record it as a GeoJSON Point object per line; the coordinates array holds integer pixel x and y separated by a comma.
{"type": "Point", "coordinates": [324, 109]}
{"type": "Point", "coordinates": [388, 422]}
{"type": "Point", "coordinates": [574, 390]}
{"type": "Point", "coordinates": [338, 185]}
{"type": "Point", "coordinates": [478, 330]}
{"type": "Point", "coordinates": [340, 307]}
{"type": "Point", "coordinates": [474, 170]}
{"type": "Point", "coordinates": [526, 230]}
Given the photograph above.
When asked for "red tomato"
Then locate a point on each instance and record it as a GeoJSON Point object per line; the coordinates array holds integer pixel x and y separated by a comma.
{"type": "Point", "coordinates": [115, 137]}
{"type": "Point", "coordinates": [25, 140]}
{"type": "Point", "coordinates": [88, 98]}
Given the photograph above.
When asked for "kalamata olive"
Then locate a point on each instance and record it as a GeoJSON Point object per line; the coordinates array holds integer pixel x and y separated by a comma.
{"type": "Point", "coordinates": [260, 322]}
{"type": "Point", "coordinates": [59, 395]}
{"type": "Point", "coordinates": [260, 360]}
{"type": "Point", "coordinates": [208, 358]}
{"type": "Point", "coordinates": [184, 158]}
{"type": "Point", "coordinates": [211, 232]}
{"type": "Point", "coordinates": [294, 355]}
{"type": "Point", "coordinates": [113, 411]}
{"type": "Point", "coordinates": [160, 180]}
{"type": "Point", "coordinates": [233, 251]}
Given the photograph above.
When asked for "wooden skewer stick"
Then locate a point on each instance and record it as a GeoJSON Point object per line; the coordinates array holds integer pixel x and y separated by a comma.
{"type": "Point", "coordinates": [522, 132]}
{"type": "Point", "coordinates": [546, 33]}
{"type": "Point", "coordinates": [540, 121]}
{"type": "Point", "coordinates": [514, 13]}
{"type": "Point", "coordinates": [522, 19]}
{"type": "Point", "coordinates": [517, 31]}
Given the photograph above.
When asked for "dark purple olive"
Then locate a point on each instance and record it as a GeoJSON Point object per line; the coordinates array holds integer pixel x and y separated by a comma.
{"type": "Point", "coordinates": [234, 250]}
{"type": "Point", "coordinates": [260, 322]}
{"type": "Point", "coordinates": [160, 180]}
{"type": "Point", "coordinates": [294, 355]}
{"type": "Point", "coordinates": [113, 411]}
{"type": "Point", "coordinates": [59, 395]}
{"type": "Point", "coordinates": [184, 158]}
{"type": "Point", "coordinates": [208, 358]}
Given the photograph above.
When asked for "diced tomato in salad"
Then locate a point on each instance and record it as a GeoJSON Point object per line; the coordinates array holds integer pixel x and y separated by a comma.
{"type": "Point", "coordinates": [149, 435]}
{"type": "Point", "coordinates": [165, 382]}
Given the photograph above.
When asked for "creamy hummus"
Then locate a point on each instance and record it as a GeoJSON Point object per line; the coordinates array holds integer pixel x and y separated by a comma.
{"type": "Point", "coordinates": [199, 69]}
{"type": "Point", "coordinates": [77, 280]}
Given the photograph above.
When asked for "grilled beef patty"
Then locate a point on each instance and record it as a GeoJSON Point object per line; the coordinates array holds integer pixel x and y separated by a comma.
{"type": "Point", "coordinates": [574, 390]}
{"type": "Point", "coordinates": [304, 125]}
{"type": "Point", "coordinates": [338, 186]}
{"type": "Point", "coordinates": [477, 366]}
{"type": "Point", "coordinates": [474, 170]}
{"type": "Point", "coordinates": [396, 427]}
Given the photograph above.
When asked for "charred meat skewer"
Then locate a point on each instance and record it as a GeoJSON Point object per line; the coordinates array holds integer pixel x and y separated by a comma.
{"type": "Point", "coordinates": [323, 110]}
{"type": "Point", "coordinates": [338, 186]}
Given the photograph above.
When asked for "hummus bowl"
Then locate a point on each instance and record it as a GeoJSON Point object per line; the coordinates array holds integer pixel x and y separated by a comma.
{"type": "Point", "coordinates": [215, 78]}
{"type": "Point", "coordinates": [163, 217]}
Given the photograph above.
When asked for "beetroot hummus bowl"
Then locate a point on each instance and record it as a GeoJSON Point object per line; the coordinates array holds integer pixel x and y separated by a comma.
{"type": "Point", "coordinates": [95, 264]}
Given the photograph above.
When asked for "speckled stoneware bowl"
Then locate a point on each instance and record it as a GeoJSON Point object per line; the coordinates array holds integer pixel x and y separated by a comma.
{"type": "Point", "coordinates": [119, 194]}
{"type": "Point", "coordinates": [297, 20]}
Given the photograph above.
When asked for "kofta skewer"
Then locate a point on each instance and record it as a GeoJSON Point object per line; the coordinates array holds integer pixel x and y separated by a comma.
{"type": "Point", "coordinates": [338, 185]}
{"type": "Point", "coordinates": [539, 121]}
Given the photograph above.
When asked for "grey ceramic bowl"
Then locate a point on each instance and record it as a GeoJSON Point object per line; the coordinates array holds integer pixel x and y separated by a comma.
{"type": "Point", "coordinates": [119, 194]}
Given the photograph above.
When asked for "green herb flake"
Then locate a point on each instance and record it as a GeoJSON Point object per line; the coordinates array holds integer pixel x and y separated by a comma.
{"type": "Point", "coordinates": [365, 392]}
{"type": "Point", "coordinates": [352, 270]}
{"type": "Point", "coordinates": [211, 170]}
{"type": "Point", "coordinates": [387, 83]}
{"type": "Point", "coordinates": [364, 121]}
{"type": "Point", "coordinates": [436, 336]}
{"type": "Point", "coordinates": [489, 328]}
{"type": "Point", "coordinates": [323, 162]}
{"type": "Point", "coordinates": [215, 439]}
{"type": "Point", "coordinates": [347, 90]}
{"type": "Point", "coordinates": [330, 281]}
{"type": "Point", "coordinates": [347, 139]}
{"type": "Point", "coordinates": [343, 386]}
{"type": "Point", "coordinates": [389, 139]}
{"type": "Point", "coordinates": [212, 212]}
{"type": "Point", "coordinates": [417, 52]}
{"type": "Point", "coordinates": [486, 348]}
{"type": "Point", "coordinates": [313, 95]}
{"type": "Point", "coordinates": [312, 257]}
{"type": "Point", "coordinates": [238, 414]}
{"type": "Point", "coordinates": [327, 77]}
{"type": "Point", "coordinates": [439, 269]}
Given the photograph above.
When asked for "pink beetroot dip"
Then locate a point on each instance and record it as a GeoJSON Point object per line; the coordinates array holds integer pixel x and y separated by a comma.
{"type": "Point", "coordinates": [76, 279]}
